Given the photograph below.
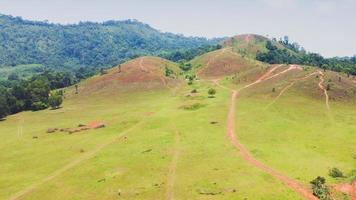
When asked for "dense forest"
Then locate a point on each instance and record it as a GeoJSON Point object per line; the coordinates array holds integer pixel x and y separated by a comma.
{"type": "Point", "coordinates": [293, 53]}
{"type": "Point", "coordinates": [86, 44]}
{"type": "Point", "coordinates": [38, 92]}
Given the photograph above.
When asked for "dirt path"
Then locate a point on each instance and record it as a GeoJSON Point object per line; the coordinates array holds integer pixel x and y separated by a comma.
{"type": "Point", "coordinates": [292, 67]}
{"type": "Point", "coordinates": [263, 77]}
{"type": "Point", "coordinates": [321, 86]}
{"type": "Point", "coordinates": [71, 165]}
{"type": "Point", "coordinates": [248, 156]}
{"type": "Point", "coordinates": [172, 169]}
{"type": "Point", "coordinates": [347, 188]}
{"type": "Point", "coordinates": [144, 69]}
{"type": "Point", "coordinates": [211, 60]}
{"type": "Point", "coordinates": [287, 87]}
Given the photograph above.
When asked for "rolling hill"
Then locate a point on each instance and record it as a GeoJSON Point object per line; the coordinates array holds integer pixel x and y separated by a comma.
{"type": "Point", "coordinates": [266, 134]}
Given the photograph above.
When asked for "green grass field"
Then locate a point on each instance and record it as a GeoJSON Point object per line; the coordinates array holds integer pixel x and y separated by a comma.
{"type": "Point", "coordinates": [168, 143]}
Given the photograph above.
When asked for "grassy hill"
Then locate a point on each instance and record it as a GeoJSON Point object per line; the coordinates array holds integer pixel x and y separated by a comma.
{"type": "Point", "coordinates": [250, 45]}
{"type": "Point", "coordinates": [267, 132]}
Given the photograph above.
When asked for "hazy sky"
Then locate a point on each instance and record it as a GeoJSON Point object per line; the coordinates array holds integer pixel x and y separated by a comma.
{"type": "Point", "coordinates": [324, 26]}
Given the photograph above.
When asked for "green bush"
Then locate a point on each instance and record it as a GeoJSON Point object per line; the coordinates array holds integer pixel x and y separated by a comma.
{"type": "Point", "coordinates": [211, 91]}
{"type": "Point", "coordinates": [194, 91]}
{"type": "Point", "coordinates": [55, 100]}
{"type": "Point", "coordinates": [320, 190]}
{"type": "Point", "coordinates": [335, 173]}
{"type": "Point", "coordinates": [38, 106]}
{"type": "Point", "coordinates": [194, 106]}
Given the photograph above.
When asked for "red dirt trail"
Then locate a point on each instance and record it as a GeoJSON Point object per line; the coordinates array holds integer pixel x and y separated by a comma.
{"type": "Point", "coordinates": [349, 189]}
{"type": "Point", "coordinates": [321, 86]}
{"type": "Point", "coordinates": [287, 87]}
{"type": "Point", "coordinates": [263, 77]}
{"type": "Point", "coordinates": [297, 187]}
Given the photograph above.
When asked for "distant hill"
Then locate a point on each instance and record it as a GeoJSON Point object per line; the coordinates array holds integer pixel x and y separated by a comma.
{"type": "Point", "coordinates": [251, 44]}
{"type": "Point", "coordinates": [283, 51]}
{"type": "Point", "coordinates": [86, 44]}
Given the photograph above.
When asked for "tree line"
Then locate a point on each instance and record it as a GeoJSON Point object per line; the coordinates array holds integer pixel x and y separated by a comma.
{"type": "Point", "coordinates": [37, 93]}
{"type": "Point", "coordinates": [293, 53]}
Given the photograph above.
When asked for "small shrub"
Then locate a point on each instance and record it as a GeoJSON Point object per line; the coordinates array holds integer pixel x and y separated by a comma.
{"type": "Point", "coordinates": [352, 175]}
{"type": "Point", "coordinates": [168, 72]}
{"type": "Point", "coordinates": [194, 106]}
{"type": "Point", "coordinates": [103, 71]}
{"type": "Point", "coordinates": [194, 91]}
{"type": "Point", "coordinates": [320, 190]}
{"type": "Point", "coordinates": [328, 87]}
{"type": "Point", "coordinates": [335, 173]}
{"type": "Point", "coordinates": [211, 91]}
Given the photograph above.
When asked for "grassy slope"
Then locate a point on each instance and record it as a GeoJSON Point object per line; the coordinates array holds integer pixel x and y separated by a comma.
{"type": "Point", "coordinates": [295, 136]}
{"type": "Point", "coordinates": [298, 135]}
{"type": "Point", "coordinates": [206, 163]}
{"type": "Point", "coordinates": [248, 45]}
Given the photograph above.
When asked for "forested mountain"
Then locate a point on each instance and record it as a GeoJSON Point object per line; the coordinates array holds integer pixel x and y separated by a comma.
{"type": "Point", "coordinates": [86, 44]}
{"type": "Point", "coordinates": [293, 53]}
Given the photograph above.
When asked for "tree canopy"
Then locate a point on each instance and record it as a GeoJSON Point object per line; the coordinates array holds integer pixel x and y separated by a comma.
{"type": "Point", "coordinates": [86, 44]}
{"type": "Point", "coordinates": [293, 53]}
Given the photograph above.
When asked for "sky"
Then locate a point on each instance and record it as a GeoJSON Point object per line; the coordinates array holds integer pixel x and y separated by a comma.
{"type": "Point", "coordinates": [327, 27]}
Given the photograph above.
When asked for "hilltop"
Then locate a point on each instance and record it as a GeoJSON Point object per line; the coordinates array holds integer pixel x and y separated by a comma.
{"type": "Point", "coordinates": [140, 73]}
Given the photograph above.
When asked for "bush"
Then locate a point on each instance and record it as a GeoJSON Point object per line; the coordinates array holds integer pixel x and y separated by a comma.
{"type": "Point", "coordinates": [335, 173]}
{"type": "Point", "coordinates": [38, 106]}
{"type": "Point", "coordinates": [55, 100]}
{"type": "Point", "coordinates": [352, 175]}
{"type": "Point", "coordinates": [320, 190]}
{"type": "Point", "coordinates": [194, 106]}
{"type": "Point", "coordinates": [168, 72]}
{"type": "Point", "coordinates": [211, 91]}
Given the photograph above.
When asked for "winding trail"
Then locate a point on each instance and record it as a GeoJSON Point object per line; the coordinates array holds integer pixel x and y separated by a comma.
{"type": "Point", "coordinates": [292, 67]}
{"type": "Point", "coordinates": [263, 77]}
{"type": "Point", "coordinates": [321, 86]}
{"type": "Point", "coordinates": [172, 169]}
{"type": "Point", "coordinates": [287, 87]}
{"type": "Point", "coordinates": [297, 187]}
{"type": "Point", "coordinates": [71, 164]}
